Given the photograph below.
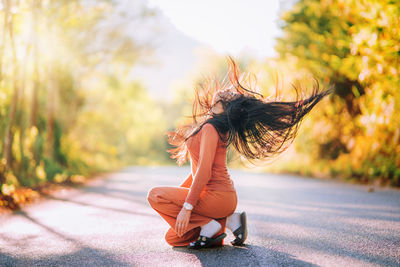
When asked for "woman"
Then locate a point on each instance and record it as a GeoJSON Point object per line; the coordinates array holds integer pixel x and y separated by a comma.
{"type": "Point", "coordinates": [223, 114]}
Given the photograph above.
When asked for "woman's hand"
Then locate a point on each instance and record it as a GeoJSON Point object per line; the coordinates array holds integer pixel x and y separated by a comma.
{"type": "Point", "coordinates": [182, 221]}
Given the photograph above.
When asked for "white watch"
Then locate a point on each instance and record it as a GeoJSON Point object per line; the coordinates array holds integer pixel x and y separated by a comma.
{"type": "Point", "coordinates": [187, 206]}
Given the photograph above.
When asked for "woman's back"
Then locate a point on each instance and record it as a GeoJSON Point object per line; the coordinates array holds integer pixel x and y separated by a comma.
{"type": "Point", "coordinates": [208, 157]}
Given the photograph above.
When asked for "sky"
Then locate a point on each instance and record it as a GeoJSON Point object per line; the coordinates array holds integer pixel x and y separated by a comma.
{"type": "Point", "coordinates": [228, 26]}
{"type": "Point", "coordinates": [186, 31]}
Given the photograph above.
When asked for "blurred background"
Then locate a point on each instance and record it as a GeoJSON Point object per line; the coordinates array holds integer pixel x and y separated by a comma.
{"type": "Point", "coordinates": [89, 86]}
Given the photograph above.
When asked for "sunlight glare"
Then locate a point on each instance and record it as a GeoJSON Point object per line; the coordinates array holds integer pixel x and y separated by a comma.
{"type": "Point", "coordinates": [227, 26]}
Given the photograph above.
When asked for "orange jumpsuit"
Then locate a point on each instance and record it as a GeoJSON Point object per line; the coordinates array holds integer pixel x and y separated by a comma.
{"type": "Point", "coordinates": [208, 188]}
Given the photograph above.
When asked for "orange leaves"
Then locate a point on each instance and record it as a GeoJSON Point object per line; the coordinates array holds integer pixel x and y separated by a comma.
{"type": "Point", "coordinates": [12, 198]}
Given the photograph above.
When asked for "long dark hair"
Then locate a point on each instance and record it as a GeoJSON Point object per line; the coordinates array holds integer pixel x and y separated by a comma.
{"type": "Point", "coordinates": [256, 127]}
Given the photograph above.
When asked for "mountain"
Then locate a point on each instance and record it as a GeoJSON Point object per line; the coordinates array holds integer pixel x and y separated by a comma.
{"type": "Point", "coordinates": [173, 55]}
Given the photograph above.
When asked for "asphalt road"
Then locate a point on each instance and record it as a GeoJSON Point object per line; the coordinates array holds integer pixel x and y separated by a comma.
{"type": "Point", "coordinates": [293, 221]}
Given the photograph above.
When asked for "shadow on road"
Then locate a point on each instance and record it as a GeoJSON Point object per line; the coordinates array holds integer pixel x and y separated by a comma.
{"type": "Point", "coordinates": [85, 256]}
{"type": "Point", "coordinates": [341, 221]}
{"type": "Point", "coordinates": [289, 218]}
{"type": "Point", "coordinates": [99, 206]}
{"type": "Point", "coordinates": [248, 255]}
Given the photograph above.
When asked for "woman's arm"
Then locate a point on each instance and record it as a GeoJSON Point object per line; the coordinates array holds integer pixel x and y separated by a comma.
{"type": "Point", "coordinates": [188, 182]}
{"type": "Point", "coordinates": [208, 147]}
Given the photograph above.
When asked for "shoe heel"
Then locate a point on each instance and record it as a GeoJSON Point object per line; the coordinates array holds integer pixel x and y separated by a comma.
{"type": "Point", "coordinates": [222, 230]}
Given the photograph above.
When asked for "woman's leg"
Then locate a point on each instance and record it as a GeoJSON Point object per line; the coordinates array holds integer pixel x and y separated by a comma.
{"type": "Point", "coordinates": [218, 205]}
{"type": "Point", "coordinates": [177, 241]}
{"type": "Point", "coordinates": [233, 221]}
{"type": "Point", "coordinates": [168, 201]}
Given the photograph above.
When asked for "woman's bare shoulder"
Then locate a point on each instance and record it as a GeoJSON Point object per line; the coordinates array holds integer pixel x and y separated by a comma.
{"type": "Point", "coordinates": [209, 127]}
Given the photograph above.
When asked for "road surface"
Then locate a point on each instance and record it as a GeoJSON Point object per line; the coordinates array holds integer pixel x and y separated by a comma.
{"type": "Point", "coordinates": [293, 221]}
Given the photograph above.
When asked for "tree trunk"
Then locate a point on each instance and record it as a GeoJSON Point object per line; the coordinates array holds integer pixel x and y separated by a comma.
{"type": "Point", "coordinates": [51, 99]}
{"type": "Point", "coordinates": [2, 45]}
{"type": "Point", "coordinates": [14, 102]}
{"type": "Point", "coordinates": [6, 7]}
{"type": "Point", "coordinates": [34, 102]}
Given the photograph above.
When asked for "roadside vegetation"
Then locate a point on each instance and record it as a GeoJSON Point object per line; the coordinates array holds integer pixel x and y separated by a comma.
{"type": "Point", "coordinates": [70, 109]}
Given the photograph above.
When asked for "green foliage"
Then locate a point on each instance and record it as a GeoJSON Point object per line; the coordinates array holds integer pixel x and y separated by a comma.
{"type": "Point", "coordinates": [70, 109]}
{"type": "Point", "coordinates": [58, 154]}
{"type": "Point", "coordinates": [51, 168]}
{"type": "Point", "coordinates": [355, 46]}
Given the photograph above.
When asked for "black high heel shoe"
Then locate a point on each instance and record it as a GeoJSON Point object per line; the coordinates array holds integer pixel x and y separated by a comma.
{"type": "Point", "coordinates": [206, 242]}
{"type": "Point", "coordinates": [241, 232]}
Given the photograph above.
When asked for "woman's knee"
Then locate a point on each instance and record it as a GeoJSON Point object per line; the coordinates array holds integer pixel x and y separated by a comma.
{"type": "Point", "coordinates": [152, 195]}
{"type": "Point", "coordinates": [170, 237]}
{"type": "Point", "coordinates": [174, 240]}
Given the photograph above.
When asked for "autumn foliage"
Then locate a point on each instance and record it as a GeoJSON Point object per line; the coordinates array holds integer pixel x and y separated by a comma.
{"type": "Point", "coordinates": [354, 45]}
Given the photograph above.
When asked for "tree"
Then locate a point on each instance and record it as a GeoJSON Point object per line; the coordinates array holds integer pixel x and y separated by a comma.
{"type": "Point", "coordinates": [354, 45]}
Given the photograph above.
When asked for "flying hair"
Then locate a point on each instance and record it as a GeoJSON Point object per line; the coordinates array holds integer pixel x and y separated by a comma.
{"type": "Point", "coordinates": [257, 127]}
